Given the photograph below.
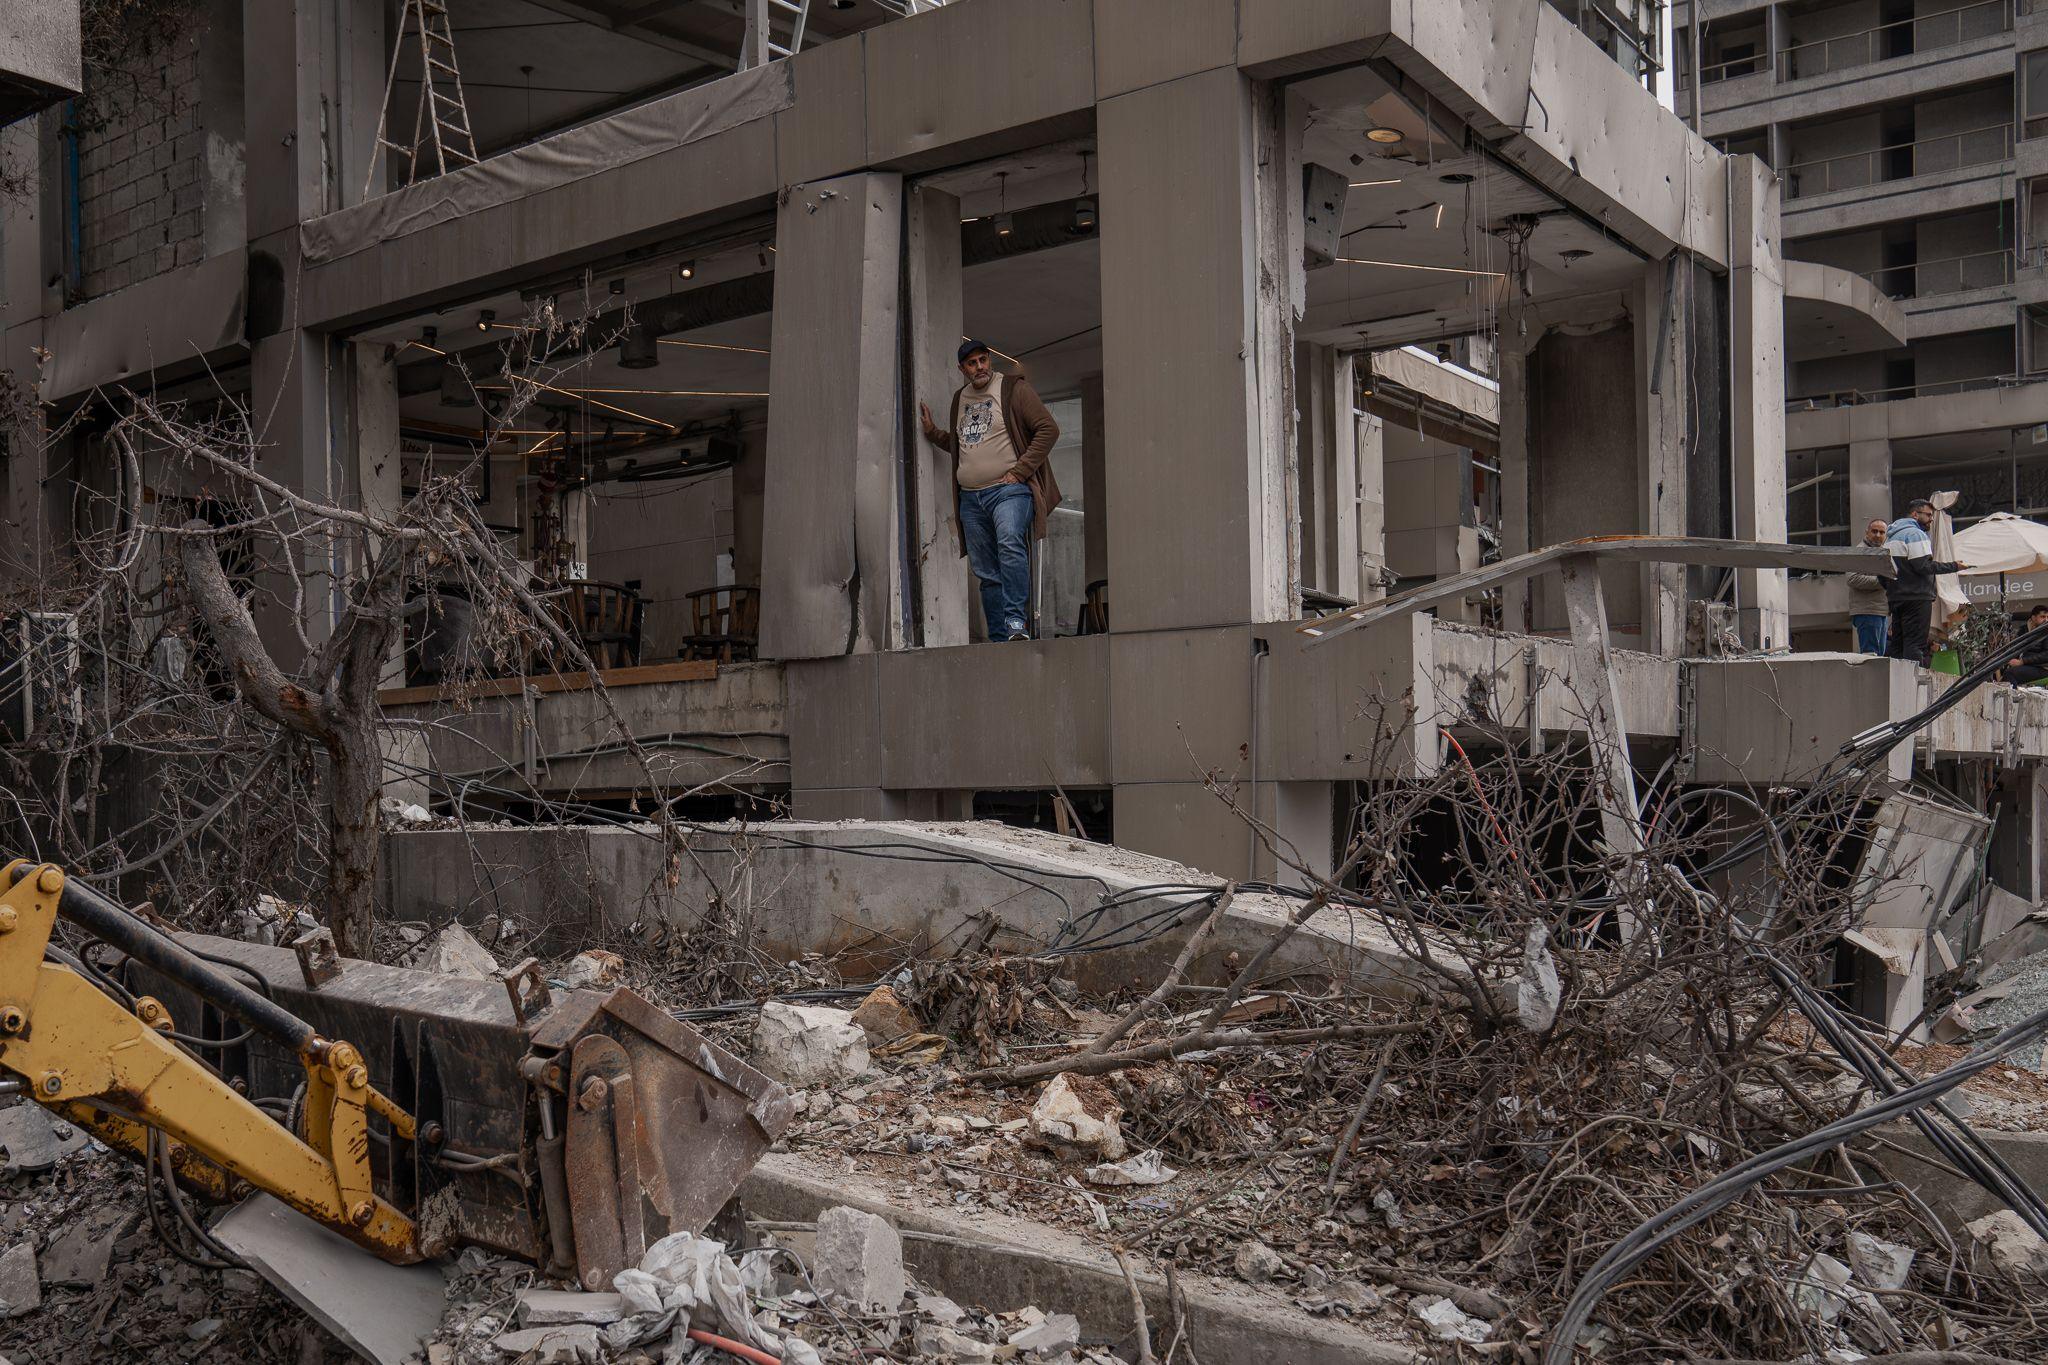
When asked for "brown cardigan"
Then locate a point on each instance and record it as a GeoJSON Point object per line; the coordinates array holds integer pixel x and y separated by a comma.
{"type": "Point", "coordinates": [1032, 433]}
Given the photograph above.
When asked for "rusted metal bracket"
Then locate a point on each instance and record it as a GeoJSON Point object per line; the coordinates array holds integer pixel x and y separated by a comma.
{"type": "Point", "coordinates": [528, 989]}
{"type": "Point", "coordinates": [319, 959]}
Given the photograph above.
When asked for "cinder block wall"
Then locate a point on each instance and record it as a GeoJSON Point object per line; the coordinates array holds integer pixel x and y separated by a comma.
{"type": "Point", "coordinates": [141, 158]}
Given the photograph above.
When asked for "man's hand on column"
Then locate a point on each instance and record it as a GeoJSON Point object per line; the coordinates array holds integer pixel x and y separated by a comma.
{"type": "Point", "coordinates": [924, 415]}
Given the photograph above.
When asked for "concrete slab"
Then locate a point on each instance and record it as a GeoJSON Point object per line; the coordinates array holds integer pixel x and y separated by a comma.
{"type": "Point", "coordinates": [383, 1312]}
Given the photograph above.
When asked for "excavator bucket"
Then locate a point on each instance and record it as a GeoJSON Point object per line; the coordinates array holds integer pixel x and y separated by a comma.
{"type": "Point", "coordinates": [572, 1129]}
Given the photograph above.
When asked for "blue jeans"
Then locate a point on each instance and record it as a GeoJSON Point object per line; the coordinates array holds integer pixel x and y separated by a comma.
{"type": "Point", "coordinates": [996, 522]}
{"type": "Point", "coordinates": [1870, 633]}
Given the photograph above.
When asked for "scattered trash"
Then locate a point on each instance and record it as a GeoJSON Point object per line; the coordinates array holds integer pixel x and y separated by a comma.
{"type": "Point", "coordinates": [1820, 1288]}
{"type": "Point", "coordinates": [567, 1344]}
{"type": "Point", "coordinates": [1448, 1322]}
{"type": "Point", "coordinates": [1146, 1168]}
{"type": "Point", "coordinates": [1879, 1264]}
{"type": "Point", "coordinates": [809, 1045]}
{"type": "Point", "coordinates": [592, 968]}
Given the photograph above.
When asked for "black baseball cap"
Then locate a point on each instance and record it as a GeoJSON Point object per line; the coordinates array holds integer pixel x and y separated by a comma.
{"type": "Point", "coordinates": [968, 348]}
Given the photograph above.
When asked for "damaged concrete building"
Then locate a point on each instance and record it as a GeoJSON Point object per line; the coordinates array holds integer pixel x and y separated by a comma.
{"type": "Point", "coordinates": [1330, 301]}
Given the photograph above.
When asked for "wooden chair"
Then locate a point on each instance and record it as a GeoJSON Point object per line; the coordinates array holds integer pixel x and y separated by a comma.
{"type": "Point", "coordinates": [606, 618]}
{"type": "Point", "coordinates": [725, 623]}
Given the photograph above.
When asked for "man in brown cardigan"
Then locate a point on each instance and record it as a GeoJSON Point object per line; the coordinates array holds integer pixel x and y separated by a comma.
{"type": "Point", "coordinates": [1001, 439]}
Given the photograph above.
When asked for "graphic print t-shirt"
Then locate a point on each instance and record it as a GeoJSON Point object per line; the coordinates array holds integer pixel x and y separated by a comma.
{"type": "Point", "coordinates": [986, 452]}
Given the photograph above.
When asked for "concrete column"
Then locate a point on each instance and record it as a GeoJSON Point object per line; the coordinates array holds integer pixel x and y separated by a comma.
{"type": "Point", "coordinates": [286, 47]}
{"type": "Point", "coordinates": [1313, 464]}
{"type": "Point", "coordinates": [932, 294]}
{"type": "Point", "coordinates": [1094, 485]}
{"type": "Point", "coordinates": [1345, 488]}
{"type": "Point", "coordinates": [831, 571]}
{"type": "Point", "coordinates": [1775, 40]}
{"type": "Point", "coordinates": [1514, 473]}
{"type": "Point", "coordinates": [1662, 362]}
{"type": "Point", "coordinates": [748, 477]}
{"type": "Point", "coordinates": [25, 528]}
{"type": "Point", "coordinates": [1870, 485]}
{"type": "Point", "coordinates": [1756, 289]}
{"type": "Point", "coordinates": [223, 111]}
{"type": "Point", "coordinates": [1198, 293]}
{"type": "Point", "coordinates": [1369, 436]}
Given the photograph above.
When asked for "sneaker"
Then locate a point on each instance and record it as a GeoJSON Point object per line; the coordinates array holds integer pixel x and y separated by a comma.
{"type": "Point", "coordinates": [1017, 635]}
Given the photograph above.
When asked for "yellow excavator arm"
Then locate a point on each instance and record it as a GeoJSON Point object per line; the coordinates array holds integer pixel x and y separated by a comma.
{"type": "Point", "coordinates": [119, 1070]}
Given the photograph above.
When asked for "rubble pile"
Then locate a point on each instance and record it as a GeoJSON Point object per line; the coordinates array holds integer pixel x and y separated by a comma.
{"type": "Point", "coordinates": [850, 1301]}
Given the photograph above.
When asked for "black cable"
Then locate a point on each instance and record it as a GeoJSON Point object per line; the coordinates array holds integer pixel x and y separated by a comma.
{"type": "Point", "coordinates": [1718, 1193]}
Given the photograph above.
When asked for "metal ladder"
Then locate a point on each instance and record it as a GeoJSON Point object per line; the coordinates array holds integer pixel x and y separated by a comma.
{"type": "Point", "coordinates": [761, 46]}
{"type": "Point", "coordinates": [441, 122]}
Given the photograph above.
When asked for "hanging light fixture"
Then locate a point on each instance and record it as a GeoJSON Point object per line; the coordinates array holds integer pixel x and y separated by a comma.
{"type": "Point", "coordinates": [1384, 136]}
{"type": "Point", "coordinates": [484, 319]}
{"type": "Point", "coordinates": [687, 270]}
{"type": "Point", "coordinates": [1084, 208]}
{"type": "Point", "coordinates": [1004, 225]}
{"type": "Point", "coordinates": [639, 349]}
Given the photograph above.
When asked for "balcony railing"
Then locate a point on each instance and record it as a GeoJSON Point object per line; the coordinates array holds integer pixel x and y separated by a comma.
{"type": "Point", "coordinates": [1903, 161]}
{"type": "Point", "coordinates": [1848, 398]}
{"type": "Point", "coordinates": [1952, 275]}
{"type": "Point", "coordinates": [1901, 38]}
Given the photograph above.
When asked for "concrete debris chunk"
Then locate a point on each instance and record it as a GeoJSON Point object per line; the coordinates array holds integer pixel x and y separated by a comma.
{"type": "Point", "coordinates": [21, 1289]}
{"type": "Point", "coordinates": [939, 1309]}
{"type": "Point", "coordinates": [1448, 1322]}
{"type": "Point", "coordinates": [2013, 1246]}
{"type": "Point", "coordinates": [884, 1018]}
{"type": "Point", "coordinates": [1058, 1332]}
{"type": "Point", "coordinates": [809, 1045]}
{"type": "Point", "coordinates": [593, 968]}
{"type": "Point", "coordinates": [1879, 1264]}
{"type": "Point", "coordinates": [82, 1253]}
{"type": "Point", "coordinates": [553, 1307]}
{"type": "Point", "coordinates": [271, 921]}
{"type": "Point", "coordinates": [1538, 992]}
{"type": "Point", "coordinates": [859, 1258]}
{"type": "Point", "coordinates": [1257, 1263]}
{"type": "Point", "coordinates": [1074, 1121]}
{"type": "Point", "coordinates": [936, 1339]}
{"type": "Point", "coordinates": [455, 952]}
{"type": "Point", "coordinates": [33, 1139]}
{"type": "Point", "coordinates": [568, 1344]}
{"type": "Point", "coordinates": [1146, 1168]}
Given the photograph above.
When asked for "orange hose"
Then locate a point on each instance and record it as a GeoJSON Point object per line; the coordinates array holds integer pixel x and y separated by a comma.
{"type": "Point", "coordinates": [734, 1348]}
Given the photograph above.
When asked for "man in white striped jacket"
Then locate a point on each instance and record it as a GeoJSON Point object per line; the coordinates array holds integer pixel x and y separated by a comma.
{"type": "Point", "coordinates": [1912, 593]}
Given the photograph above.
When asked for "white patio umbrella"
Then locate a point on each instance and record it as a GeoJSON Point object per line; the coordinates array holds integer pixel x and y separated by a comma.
{"type": "Point", "coordinates": [2003, 544]}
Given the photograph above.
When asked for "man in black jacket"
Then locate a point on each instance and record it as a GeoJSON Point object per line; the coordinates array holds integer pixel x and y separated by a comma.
{"type": "Point", "coordinates": [2031, 664]}
{"type": "Point", "coordinates": [1912, 593]}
